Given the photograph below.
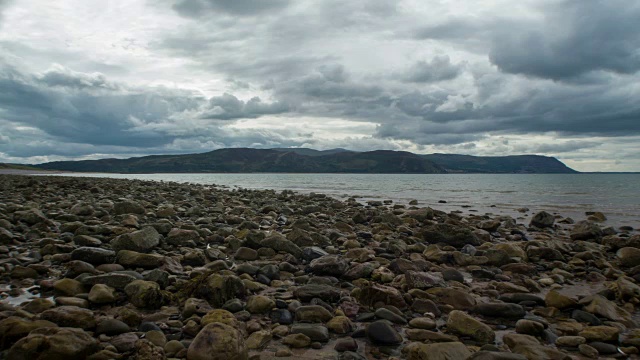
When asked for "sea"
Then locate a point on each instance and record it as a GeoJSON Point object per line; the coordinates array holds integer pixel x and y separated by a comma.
{"type": "Point", "coordinates": [516, 195]}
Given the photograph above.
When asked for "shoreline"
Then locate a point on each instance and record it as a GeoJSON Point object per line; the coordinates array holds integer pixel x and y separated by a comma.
{"type": "Point", "coordinates": [140, 266]}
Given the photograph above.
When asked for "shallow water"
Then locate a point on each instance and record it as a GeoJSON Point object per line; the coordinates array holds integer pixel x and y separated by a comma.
{"type": "Point", "coordinates": [569, 195]}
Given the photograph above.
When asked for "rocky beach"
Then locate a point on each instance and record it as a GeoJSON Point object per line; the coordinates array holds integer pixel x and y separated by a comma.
{"type": "Point", "coordinates": [97, 268]}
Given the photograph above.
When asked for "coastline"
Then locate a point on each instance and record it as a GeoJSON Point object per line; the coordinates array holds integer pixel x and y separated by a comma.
{"type": "Point", "coordinates": [301, 273]}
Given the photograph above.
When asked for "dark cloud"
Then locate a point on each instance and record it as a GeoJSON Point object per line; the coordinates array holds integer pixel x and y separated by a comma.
{"type": "Point", "coordinates": [204, 8]}
{"type": "Point", "coordinates": [229, 107]}
{"type": "Point", "coordinates": [439, 68]}
{"type": "Point", "coordinates": [575, 37]}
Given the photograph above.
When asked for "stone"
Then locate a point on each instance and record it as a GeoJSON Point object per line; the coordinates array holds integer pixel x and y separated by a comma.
{"type": "Point", "coordinates": [245, 253]}
{"type": "Point", "coordinates": [182, 237]}
{"type": "Point", "coordinates": [220, 316]}
{"type": "Point", "coordinates": [529, 327]}
{"type": "Point", "coordinates": [112, 327]}
{"type": "Point", "coordinates": [259, 304]}
{"type": "Point", "coordinates": [22, 272]}
{"type": "Point", "coordinates": [70, 316]}
{"type": "Point", "coordinates": [218, 341]}
{"type": "Point", "coordinates": [461, 323]}
{"type": "Point", "coordinates": [499, 310]}
{"type": "Point", "coordinates": [101, 294]}
{"type": "Point", "coordinates": [297, 341]}
{"type": "Point", "coordinates": [559, 301]}
{"type": "Point", "coordinates": [382, 333]}
{"type": "Point", "coordinates": [456, 236]}
{"type": "Point", "coordinates": [54, 343]}
{"type": "Point", "coordinates": [128, 207]}
{"type": "Point", "coordinates": [218, 289]}
{"type": "Point", "coordinates": [542, 220]}
{"type": "Point", "coordinates": [495, 355]}
{"type": "Point", "coordinates": [258, 339]}
{"type": "Point", "coordinates": [457, 298]}
{"type": "Point", "coordinates": [346, 344]}
{"type": "Point", "coordinates": [278, 242]}
{"type": "Point", "coordinates": [146, 294]}
{"type": "Point", "coordinates": [340, 325]}
{"type": "Point", "coordinates": [128, 258]}
{"type": "Point", "coordinates": [373, 293]}
{"type": "Point", "coordinates": [116, 280]}
{"type": "Point", "coordinates": [629, 256]}
{"type": "Point", "coordinates": [143, 240]}
{"type": "Point", "coordinates": [310, 291]}
{"type": "Point", "coordinates": [68, 287]}
{"type": "Point", "coordinates": [383, 313]}
{"type": "Point", "coordinates": [332, 265]}
{"type": "Point", "coordinates": [125, 342]}
{"type": "Point", "coordinates": [14, 328]}
{"type": "Point", "coordinates": [423, 280]}
{"type": "Point", "coordinates": [423, 323]}
{"type": "Point", "coordinates": [315, 332]}
{"type": "Point", "coordinates": [93, 255]}
{"type": "Point", "coordinates": [599, 305]}
{"type": "Point", "coordinates": [439, 351]}
{"type": "Point", "coordinates": [585, 230]}
{"type": "Point", "coordinates": [588, 351]}
{"type": "Point", "coordinates": [156, 337]}
{"type": "Point", "coordinates": [570, 341]}
{"type": "Point", "coordinates": [313, 314]}
{"type": "Point", "coordinates": [600, 333]}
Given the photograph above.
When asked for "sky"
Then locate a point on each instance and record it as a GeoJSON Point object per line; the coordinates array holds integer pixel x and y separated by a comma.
{"type": "Point", "coordinates": [89, 79]}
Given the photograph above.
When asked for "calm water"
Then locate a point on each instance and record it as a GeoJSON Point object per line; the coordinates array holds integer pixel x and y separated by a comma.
{"type": "Point", "coordinates": [616, 195]}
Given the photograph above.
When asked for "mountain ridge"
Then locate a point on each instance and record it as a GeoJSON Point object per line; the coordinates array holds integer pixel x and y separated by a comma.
{"type": "Point", "coordinates": [305, 160]}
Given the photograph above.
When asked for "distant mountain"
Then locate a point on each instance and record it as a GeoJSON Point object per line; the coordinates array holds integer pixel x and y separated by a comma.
{"type": "Point", "coordinates": [518, 164]}
{"type": "Point", "coordinates": [245, 160]}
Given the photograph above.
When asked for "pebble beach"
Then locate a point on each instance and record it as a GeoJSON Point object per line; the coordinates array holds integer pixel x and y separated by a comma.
{"type": "Point", "coordinates": [97, 268]}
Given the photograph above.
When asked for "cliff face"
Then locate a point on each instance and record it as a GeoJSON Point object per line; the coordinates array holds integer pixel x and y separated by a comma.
{"type": "Point", "coordinates": [244, 160]}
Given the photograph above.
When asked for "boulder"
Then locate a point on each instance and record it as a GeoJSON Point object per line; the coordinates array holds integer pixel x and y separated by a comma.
{"type": "Point", "coordinates": [146, 294]}
{"type": "Point", "coordinates": [542, 220]}
{"type": "Point", "coordinates": [218, 341]}
{"type": "Point", "coordinates": [457, 236]}
{"type": "Point", "coordinates": [70, 316]}
{"type": "Point", "coordinates": [140, 241]}
{"type": "Point", "coordinates": [461, 323]}
{"type": "Point", "coordinates": [586, 230]}
{"type": "Point", "coordinates": [439, 351]}
{"type": "Point", "coordinates": [382, 333]}
{"type": "Point", "coordinates": [313, 314]}
{"type": "Point", "coordinates": [333, 265]}
{"type": "Point", "coordinates": [54, 344]}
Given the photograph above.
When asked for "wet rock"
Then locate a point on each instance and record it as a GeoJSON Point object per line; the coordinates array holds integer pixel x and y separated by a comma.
{"type": "Point", "coordinates": [324, 292]}
{"type": "Point", "coordinates": [442, 351]}
{"type": "Point", "coordinates": [461, 323]}
{"type": "Point", "coordinates": [313, 314]}
{"type": "Point", "coordinates": [458, 299]}
{"type": "Point", "coordinates": [529, 327]}
{"type": "Point", "coordinates": [259, 304]}
{"type": "Point", "coordinates": [14, 328]}
{"type": "Point", "coordinates": [382, 333]}
{"type": "Point", "coordinates": [146, 294]}
{"type": "Point", "coordinates": [542, 220]}
{"type": "Point", "coordinates": [423, 280]}
{"type": "Point", "coordinates": [340, 325]}
{"type": "Point", "coordinates": [450, 235]}
{"type": "Point", "coordinates": [101, 294]}
{"type": "Point", "coordinates": [557, 300]}
{"type": "Point", "coordinates": [600, 306]}
{"type": "Point", "coordinates": [258, 339]}
{"type": "Point", "coordinates": [585, 230]}
{"type": "Point", "coordinates": [280, 243]}
{"type": "Point", "coordinates": [128, 207]}
{"type": "Point", "coordinates": [333, 265]}
{"type": "Point", "coordinates": [600, 333]}
{"type": "Point", "coordinates": [629, 256]}
{"type": "Point", "coordinates": [314, 331]}
{"type": "Point", "coordinates": [135, 259]}
{"type": "Point", "coordinates": [116, 280]}
{"type": "Point", "coordinates": [373, 293]}
{"type": "Point", "coordinates": [54, 343]}
{"type": "Point", "coordinates": [383, 313]}
{"type": "Point", "coordinates": [495, 355]}
{"type": "Point", "coordinates": [499, 310]}
{"type": "Point", "coordinates": [112, 327]}
{"type": "Point", "coordinates": [93, 255]}
{"type": "Point", "coordinates": [140, 241]}
{"type": "Point", "coordinates": [297, 341]}
{"type": "Point", "coordinates": [218, 341]}
{"type": "Point", "coordinates": [70, 316]}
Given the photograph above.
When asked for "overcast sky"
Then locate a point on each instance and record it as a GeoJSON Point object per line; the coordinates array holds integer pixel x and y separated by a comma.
{"type": "Point", "coordinates": [89, 79]}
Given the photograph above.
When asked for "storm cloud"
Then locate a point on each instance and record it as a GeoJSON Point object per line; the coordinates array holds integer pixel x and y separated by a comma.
{"type": "Point", "coordinates": [140, 77]}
